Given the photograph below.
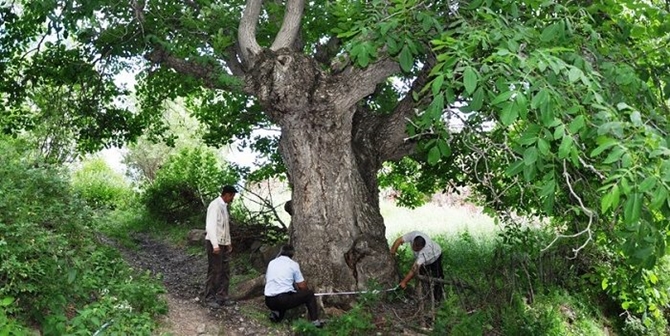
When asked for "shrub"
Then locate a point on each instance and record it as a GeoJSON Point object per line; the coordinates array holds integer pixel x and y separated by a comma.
{"type": "Point", "coordinates": [99, 185]}
{"type": "Point", "coordinates": [185, 185]}
{"type": "Point", "coordinates": [51, 262]}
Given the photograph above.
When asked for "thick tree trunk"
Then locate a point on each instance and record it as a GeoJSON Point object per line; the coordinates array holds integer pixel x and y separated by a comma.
{"type": "Point", "coordinates": [339, 232]}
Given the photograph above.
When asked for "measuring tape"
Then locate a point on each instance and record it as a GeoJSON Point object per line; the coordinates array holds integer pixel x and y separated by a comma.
{"type": "Point", "coordinates": [376, 291]}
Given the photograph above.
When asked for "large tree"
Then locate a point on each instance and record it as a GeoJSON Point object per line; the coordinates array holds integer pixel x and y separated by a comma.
{"type": "Point", "coordinates": [544, 107]}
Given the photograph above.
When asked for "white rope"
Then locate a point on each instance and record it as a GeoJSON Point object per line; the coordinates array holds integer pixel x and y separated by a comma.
{"type": "Point", "coordinates": [376, 291]}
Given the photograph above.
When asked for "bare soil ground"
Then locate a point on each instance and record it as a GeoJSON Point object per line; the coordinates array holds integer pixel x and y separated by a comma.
{"type": "Point", "coordinates": [184, 274]}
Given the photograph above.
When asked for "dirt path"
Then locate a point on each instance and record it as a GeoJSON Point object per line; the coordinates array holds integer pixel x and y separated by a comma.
{"type": "Point", "coordinates": [183, 276]}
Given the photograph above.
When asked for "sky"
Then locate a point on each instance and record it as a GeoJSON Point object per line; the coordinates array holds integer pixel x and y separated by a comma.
{"type": "Point", "coordinates": [114, 156]}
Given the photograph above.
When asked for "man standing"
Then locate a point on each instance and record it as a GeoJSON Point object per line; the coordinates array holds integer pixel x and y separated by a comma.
{"type": "Point", "coordinates": [219, 249]}
{"type": "Point", "coordinates": [280, 294]}
{"type": "Point", "coordinates": [428, 256]}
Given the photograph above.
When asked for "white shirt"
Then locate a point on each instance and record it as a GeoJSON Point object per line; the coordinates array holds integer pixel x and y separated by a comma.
{"type": "Point", "coordinates": [218, 223]}
{"type": "Point", "coordinates": [281, 274]}
{"type": "Point", "coordinates": [429, 253]}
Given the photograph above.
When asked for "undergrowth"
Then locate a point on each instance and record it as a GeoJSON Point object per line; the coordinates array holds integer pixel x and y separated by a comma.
{"type": "Point", "coordinates": [55, 275]}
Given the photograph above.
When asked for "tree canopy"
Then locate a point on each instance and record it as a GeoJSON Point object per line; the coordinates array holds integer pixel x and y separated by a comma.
{"type": "Point", "coordinates": [550, 108]}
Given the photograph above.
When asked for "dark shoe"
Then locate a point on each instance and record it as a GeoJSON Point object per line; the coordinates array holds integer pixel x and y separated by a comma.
{"type": "Point", "coordinates": [275, 316]}
{"type": "Point", "coordinates": [213, 304]}
{"type": "Point", "coordinates": [227, 303]}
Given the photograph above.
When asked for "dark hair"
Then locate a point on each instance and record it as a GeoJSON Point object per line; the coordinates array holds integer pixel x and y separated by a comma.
{"type": "Point", "coordinates": [288, 207]}
{"type": "Point", "coordinates": [228, 189]}
{"type": "Point", "coordinates": [287, 250]}
{"type": "Point", "coordinates": [419, 242]}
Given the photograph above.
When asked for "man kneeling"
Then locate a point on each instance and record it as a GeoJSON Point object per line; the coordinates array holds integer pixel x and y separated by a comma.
{"type": "Point", "coordinates": [280, 293]}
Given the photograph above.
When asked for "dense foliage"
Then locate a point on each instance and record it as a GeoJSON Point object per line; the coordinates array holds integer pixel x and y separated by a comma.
{"type": "Point", "coordinates": [546, 108]}
{"type": "Point", "coordinates": [99, 185]}
{"type": "Point", "coordinates": [54, 272]}
{"type": "Point", "coordinates": [185, 185]}
{"type": "Point", "coordinates": [563, 112]}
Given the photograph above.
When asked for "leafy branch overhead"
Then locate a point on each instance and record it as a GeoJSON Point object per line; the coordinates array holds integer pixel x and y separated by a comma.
{"type": "Point", "coordinates": [549, 108]}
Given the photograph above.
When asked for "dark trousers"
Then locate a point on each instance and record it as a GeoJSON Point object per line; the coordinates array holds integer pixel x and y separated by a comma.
{"type": "Point", "coordinates": [218, 273]}
{"type": "Point", "coordinates": [286, 301]}
{"type": "Point", "coordinates": [434, 270]}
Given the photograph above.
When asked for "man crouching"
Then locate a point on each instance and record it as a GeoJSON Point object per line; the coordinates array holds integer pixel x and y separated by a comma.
{"type": "Point", "coordinates": [280, 294]}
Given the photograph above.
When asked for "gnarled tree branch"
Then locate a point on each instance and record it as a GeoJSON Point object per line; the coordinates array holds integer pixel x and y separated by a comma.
{"type": "Point", "coordinates": [233, 62]}
{"type": "Point", "coordinates": [246, 34]}
{"type": "Point", "coordinates": [392, 131]}
{"type": "Point", "coordinates": [362, 82]}
{"type": "Point", "coordinates": [290, 26]}
{"type": "Point", "coordinates": [208, 73]}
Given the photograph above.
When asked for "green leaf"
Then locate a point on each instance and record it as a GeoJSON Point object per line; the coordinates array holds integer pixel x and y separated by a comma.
{"type": "Point", "coordinates": [475, 4]}
{"type": "Point", "coordinates": [574, 74]}
{"type": "Point", "coordinates": [71, 275]}
{"type": "Point", "coordinates": [548, 204]}
{"type": "Point", "coordinates": [565, 147]}
{"type": "Point", "coordinates": [543, 146]}
{"type": "Point", "coordinates": [540, 98]}
{"type": "Point", "coordinates": [521, 104]}
{"type": "Point", "coordinates": [577, 124]}
{"type": "Point", "coordinates": [529, 173]}
{"type": "Point", "coordinates": [660, 195]}
{"type": "Point", "coordinates": [559, 132]}
{"type": "Point", "coordinates": [615, 155]}
{"type": "Point", "coordinates": [503, 97]}
{"type": "Point", "coordinates": [610, 200]}
{"type": "Point", "coordinates": [433, 155]}
{"type": "Point", "coordinates": [436, 107]}
{"type": "Point", "coordinates": [632, 208]}
{"type": "Point", "coordinates": [604, 284]}
{"type": "Point", "coordinates": [548, 188]}
{"type": "Point", "coordinates": [445, 150]}
{"type": "Point", "coordinates": [615, 196]}
{"type": "Point", "coordinates": [530, 156]}
{"type": "Point", "coordinates": [477, 100]}
{"type": "Point", "coordinates": [636, 118]}
{"type": "Point", "coordinates": [549, 32]}
{"type": "Point", "coordinates": [508, 114]}
{"type": "Point", "coordinates": [648, 183]}
{"type": "Point", "coordinates": [406, 59]}
{"type": "Point", "coordinates": [514, 168]}
{"type": "Point", "coordinates": [437, 84]}
{"type": "Point", "coordinates": [6, 301]}
{"type": "Point", "coordinates": [605, 144]}
{"type": "Point", "coordinates": [644, 253]}
{"type": "Point", "coordinates": [363, 59]}
{"type": "Point", "coordinates": [470, 80]}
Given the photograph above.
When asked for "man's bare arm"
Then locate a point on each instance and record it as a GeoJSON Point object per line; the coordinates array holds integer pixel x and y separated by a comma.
{"type": "Point", "coordinates": [396, 244]}
{"type": "Point", "coordinates": [301, 285]}
{"type": "Point", "coordinates": [409, 276]}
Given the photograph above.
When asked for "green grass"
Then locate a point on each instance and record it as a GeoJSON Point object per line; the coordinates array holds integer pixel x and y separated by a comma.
{"type": "Point", "coordinates": [435, 220]}
{"type": "Point", "coordinates": [430, 218]}
{"type": "Point", "coordinates": [471, 255]}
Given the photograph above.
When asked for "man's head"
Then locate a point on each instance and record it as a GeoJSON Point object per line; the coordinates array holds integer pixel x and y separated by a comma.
{"type": "Point", "coordinates": [288, 207]}
{"type": "Point", "coordinates": [228, 193]}
{"type": "Point", "coordinates": [287, 250]}
{"type": "Point", "coordinates": [418, 243]}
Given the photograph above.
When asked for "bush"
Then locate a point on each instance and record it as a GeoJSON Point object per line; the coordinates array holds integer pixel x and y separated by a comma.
{"type": "Point", "coordinates": [99, 185]}
{"type": "Point", "coordinates": [51, 262]}
{"type": "Point", "coordinates": [185, 185]}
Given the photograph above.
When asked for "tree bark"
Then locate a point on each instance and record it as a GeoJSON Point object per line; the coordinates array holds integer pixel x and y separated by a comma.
{"type": "Point", "coordinates": [339, 232]}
